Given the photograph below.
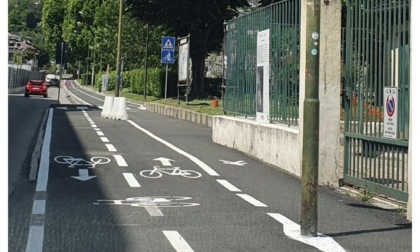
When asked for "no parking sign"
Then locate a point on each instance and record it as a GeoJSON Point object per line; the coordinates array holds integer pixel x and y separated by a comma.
{"type": "Point", "coordinates": [391, 112]}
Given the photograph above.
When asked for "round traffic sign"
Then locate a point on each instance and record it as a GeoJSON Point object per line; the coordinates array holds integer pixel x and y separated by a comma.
{"type": "Point", "coordinates": [390, 105]}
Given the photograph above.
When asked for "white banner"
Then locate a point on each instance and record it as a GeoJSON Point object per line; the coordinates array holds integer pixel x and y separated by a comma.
{"type": "Point", "coordinates": [263, 76]}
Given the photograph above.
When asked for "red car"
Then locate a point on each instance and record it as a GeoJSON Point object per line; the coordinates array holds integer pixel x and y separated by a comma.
{"type": "Point", "coordinates": [36, 87]}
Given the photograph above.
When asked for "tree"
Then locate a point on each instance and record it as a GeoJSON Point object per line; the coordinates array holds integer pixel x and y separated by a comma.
{"type": "Point", "coordinates": [202, 19]}
{"type": "Point", "coordinates": [52, 20]}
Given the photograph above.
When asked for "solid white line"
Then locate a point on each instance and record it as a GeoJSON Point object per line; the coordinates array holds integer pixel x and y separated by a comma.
{"type": "Point", "coordinates": [105, 139]}
{"type": "Point", "coordinates": [197, 161]}
{"type": "Point", "coordinates": [110, 147]}
{"type": "Point", "coordinates": [131, 180]}
{"type": "Point", "coordinates": [292, 230]}
{"type": "Point", "coordinates": [251, 200]}
{"type": "Point", "coordinates": [36, 233]}
{"type": "Point", "coordinates": [44, 164]}
{"type": "Point", "coordinates": [39, 207]}
{"type": "Point", "coordinates": [120, 161]}
{"type": "Point", "coordinates": [35, 239]}
{"type": "Point", "coordinates": [228, 185]}
{"type": "Point", "coordinates": [100, 133]}
{"type": "Point", "coordinates": [177, 241]}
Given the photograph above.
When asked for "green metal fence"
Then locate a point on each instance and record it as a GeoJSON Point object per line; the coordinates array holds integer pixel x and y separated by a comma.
{"type": "Point", "coordinates": [376, 56]}
{"type": "Point", "coordinates": [283, 20]}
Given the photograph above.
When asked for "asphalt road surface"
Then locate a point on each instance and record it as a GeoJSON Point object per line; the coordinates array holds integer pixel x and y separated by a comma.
{"type": "Point", "coordinates": [155, 183]}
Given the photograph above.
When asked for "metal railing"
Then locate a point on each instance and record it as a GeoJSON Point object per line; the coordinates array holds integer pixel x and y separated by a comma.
{"type": "Point", "coordinates": [283, 20]}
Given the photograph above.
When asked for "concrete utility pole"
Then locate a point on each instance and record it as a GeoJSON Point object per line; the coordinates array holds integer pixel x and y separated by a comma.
{"type": "Point", "coordinates": [309, 201]}
{"type": "Point", "coordinates": [117, 86]}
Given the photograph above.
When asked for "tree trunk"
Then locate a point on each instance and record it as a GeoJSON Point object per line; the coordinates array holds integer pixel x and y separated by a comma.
{"type": "Point", "coordinates": [197, 87]}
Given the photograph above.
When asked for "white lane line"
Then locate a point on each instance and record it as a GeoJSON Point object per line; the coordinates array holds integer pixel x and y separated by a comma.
{"type": "Point", "coordinates": [153, 211]}
{"type": "Point", "coordinates": [105, 139]}
{"type": "Point", "coordinates": [197, 161]}
{"type": "Point", "coordinates": [44, 164]}
{"type": "Point", "coordinates": [100, 133]}
{"type": "Point", "coordinates": [177, 241]}
{"type": "Point", "coordinates": [39, 207]}
{"type": "Point", "coordinates": [228, 185]}
{"type": "Point", "coordinates": [131, 180]}
{"type": "Point", "coordinates": [251, 200]}
{"type": "Point", "coordinates": [36, 232]}
{"type": "Point", "coordinates": [94, 126]}
{"type": "Point", "coordinates": [292, 230]}
{"type": "Point", "coordinates": [35, 239]}
{"type": "Point", "coordinates": [120, 161]}
{"type": "Point", "coordinates": [110, 147]}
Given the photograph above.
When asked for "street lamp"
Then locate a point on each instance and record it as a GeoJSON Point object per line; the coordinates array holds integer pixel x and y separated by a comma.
{"type": "Point", "coordinates": [117, 86]}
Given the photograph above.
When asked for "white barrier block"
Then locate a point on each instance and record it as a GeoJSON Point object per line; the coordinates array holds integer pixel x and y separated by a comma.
{"type": "Point", "coordinates": [107, 108]}
{"type": "Point", "coordinates": [119, 109]}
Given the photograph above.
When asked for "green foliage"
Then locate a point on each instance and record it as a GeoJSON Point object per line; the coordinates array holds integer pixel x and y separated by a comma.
{"type": "Point", "coordinates": [52, 19]}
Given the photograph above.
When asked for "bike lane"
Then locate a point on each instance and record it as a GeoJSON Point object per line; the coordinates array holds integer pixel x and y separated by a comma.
{"type": "Point", "coordinates": [354, 225]}
{"type": "Point", "coordinates": [121, 210]}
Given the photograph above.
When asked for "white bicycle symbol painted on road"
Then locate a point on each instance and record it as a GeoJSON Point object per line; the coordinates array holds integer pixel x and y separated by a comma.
{"type": "Point", "coordinates": [73, 162]}
{"type": "Point", "coordinates": [157, 172]}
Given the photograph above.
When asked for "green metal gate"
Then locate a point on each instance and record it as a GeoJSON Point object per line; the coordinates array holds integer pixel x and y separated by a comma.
{"type": "Point", "coordinates": [376, 56]}
{"type": "Point", "coordinates": [283, 20]}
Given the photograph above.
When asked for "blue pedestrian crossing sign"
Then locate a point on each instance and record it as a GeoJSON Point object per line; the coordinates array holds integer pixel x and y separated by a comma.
{"type": "Point", "coordinates": [168, 50]}
{"type": "Point", "coordinates": [168, 43]}
{"type": "Point", "coordinates": [167, 57]}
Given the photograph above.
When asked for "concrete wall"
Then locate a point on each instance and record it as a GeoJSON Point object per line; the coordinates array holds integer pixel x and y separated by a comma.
{"type": "Point", "coordinates": [271, 143]}
{"type": "Point", "coordinates": [181, 113]}
{"type": "Point", "coordinates": [282, 146]}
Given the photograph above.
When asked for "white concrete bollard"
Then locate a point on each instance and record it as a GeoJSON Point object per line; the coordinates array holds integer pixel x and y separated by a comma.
{"type": "Point", "coordinates": [119, 109]}
{"type": "Point", "coordinates": [107, 108]}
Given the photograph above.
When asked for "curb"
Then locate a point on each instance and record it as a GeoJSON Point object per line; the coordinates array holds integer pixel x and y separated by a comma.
{"type": "Point", "coordinates": [36, 154]}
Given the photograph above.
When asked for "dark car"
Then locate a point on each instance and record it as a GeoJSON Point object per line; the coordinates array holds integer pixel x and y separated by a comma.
{"type": "Point", "coordinates": [54, 82]}
{"type": "Point", "coordinates": [36, 87]}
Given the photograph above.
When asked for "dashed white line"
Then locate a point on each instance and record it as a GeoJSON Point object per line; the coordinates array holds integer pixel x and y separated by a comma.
{"type": "Point", "coordinates": [110, 147]}
{"type": "Point", "coordinates": [251, 200]}
{"type": "Point", "coordinates": [292, 230]}
{"type": "Point", "coordinates": [100, 133]}
{"type": "Point", "coordinates": [153, 210]}
{"type": "Point", "coordinates": [94, 126]}
{"type": "Point", "coordinates": [35, 239]}
{"type": "Point", "coordinates": [120, 161]}
{"type": "Point", "coordinates": [131, 180]}
{"type": "Point", "coordinates": [104, 139]}
{"type": "Point", "coordinates": [39, 207]}
{"type": "Point", "coordinates": [177, 241]}
{"type": "Point", "coordinates": [228, 185]}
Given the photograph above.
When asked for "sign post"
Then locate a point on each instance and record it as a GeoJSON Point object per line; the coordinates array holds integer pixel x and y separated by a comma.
{"type": "Point", "coordinates": [391, 112]}
{"type": "Point", "coordinates": [183, 66]}
{"type": "Point", "coordinates": [167, 56]}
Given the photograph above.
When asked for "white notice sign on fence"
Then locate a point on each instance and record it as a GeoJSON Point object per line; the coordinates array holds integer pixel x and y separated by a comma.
{"type": "Point", "coordinates": [391, 112]}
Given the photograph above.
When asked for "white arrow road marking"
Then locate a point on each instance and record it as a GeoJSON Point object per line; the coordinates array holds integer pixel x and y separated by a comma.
{"type": "Point", "coordinates": [164, 161]}
{"type": "Point", "coordinates": [238, 163]}
{"type": "Point", "coordinates": [292, 230]}
{"type": "Point", "coordinates": [83, 175]}
{"type": "Point", "coordinates": [177, 241]}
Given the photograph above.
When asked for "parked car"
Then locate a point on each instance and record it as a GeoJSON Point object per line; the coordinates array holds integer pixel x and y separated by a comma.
{"type": "Point", "coordinates": [36, 87]}
{"type": "Point", "coordinates": [54, 82]}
